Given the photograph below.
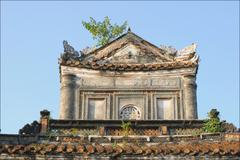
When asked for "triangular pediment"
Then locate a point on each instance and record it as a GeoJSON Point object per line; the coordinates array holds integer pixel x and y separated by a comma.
{"type": "Point", "coordinates": [130, 49]}
{"type": "Point", "coordinates": [132, 54]}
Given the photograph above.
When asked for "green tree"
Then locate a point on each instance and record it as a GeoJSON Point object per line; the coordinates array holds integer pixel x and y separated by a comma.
{"type": "Point", "coordinates": [104, 31]}
{"type": "Point", "coordinates": [212, 124]}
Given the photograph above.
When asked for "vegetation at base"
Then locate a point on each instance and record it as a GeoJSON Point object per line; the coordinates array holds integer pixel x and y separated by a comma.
{"type": "Point", "coordinates": [212, 124]}
{"type": "Point", "coordinates": [104, 31]}
{"type": "Point", "coordinates": [114, 145]}
{"type": "Point", "coordinates": [74, 131]}
{"type": "Point", "coordinates": [52, 133]}
{"type": "Point", "coordinates": [126, 127]}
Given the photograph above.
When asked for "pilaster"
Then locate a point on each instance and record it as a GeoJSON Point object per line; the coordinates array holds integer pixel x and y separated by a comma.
{"type": "Point", "coordinates": [44, 121]}
{"type": "Point", "coordinates": [68, 97]}
{"type": "Point", "coordinates": [190, 97]}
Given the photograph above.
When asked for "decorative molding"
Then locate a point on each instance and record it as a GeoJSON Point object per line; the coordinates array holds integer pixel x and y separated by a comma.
{"type": "Point", "coordinates": [132, 82]}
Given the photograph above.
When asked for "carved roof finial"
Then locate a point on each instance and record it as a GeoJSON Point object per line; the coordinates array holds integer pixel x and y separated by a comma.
{"type": "Point", "coordinates": [129, 29]}
{"type": "Point", "coordinates": [68, 49]}
{"type": "Point", "coordinates": [44, 113]}
{"type": "Point", "coordinates": [187, 50]}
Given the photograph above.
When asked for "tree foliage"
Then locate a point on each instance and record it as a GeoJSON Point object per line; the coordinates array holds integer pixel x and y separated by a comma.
{"type": "Point", "coordinates": [212, 124]}
{"type": "Point", "coordinates": [104, 31]}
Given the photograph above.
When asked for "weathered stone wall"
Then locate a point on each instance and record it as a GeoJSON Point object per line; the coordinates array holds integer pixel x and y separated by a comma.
{"type": "Point", "coordinates": [67, 137]}
{"type": "Point", "coordinates": [94, 94]}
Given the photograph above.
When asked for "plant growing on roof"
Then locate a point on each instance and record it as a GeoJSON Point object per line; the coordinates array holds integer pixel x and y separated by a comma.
{"type": "Point", "coordinates": [114, 145]}
{"type": "Point", "coordinates": [74, 131]}
{"type": "Point", "coordinates": [126, 127]}
{"type": "Point", "coordinates": [212, 124]}
{"type": "Point", "coordinates": [52, 133]}
{"type": "Point", "coordinates": [104, 31]}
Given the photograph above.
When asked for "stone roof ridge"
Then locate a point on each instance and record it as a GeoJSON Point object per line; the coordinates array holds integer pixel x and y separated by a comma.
{"type": "Point", "coordinates": [69, 53]}
{"type": "Point", "coordinates": [190, 49]}
{"type": "Point", "coordinates": [99, 48]}
{"type": "Point", "coordinates": [168, 51]}
{"type": "Point", "coordinates": [123, 40]}
{"type": "Point", "coordinates": [187, 53]}
{"type": "Point", "coordinates": [88, 50]}
{"type": "Point", "coordinates": [130, 52]}
{"type": "Point", "coordinates": [85, 51]}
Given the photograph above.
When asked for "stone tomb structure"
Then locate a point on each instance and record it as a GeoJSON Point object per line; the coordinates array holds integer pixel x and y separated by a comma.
{"type": "Point", "coordinates": [128, 78]}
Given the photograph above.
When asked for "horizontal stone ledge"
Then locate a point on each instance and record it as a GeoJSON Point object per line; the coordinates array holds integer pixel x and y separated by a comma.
{"type": "Point", "coordinates": [54, 123]}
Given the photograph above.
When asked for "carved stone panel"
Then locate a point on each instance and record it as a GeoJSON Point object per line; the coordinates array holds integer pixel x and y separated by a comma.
{"type": "Point", "coordinates": [96, 108]}
{"type": "Point", "coordinates": [165, 108]}
{"type": "Point", "coordinates": [137, 100]}
{"type": "Point", "coordinates": [133, 82]}
{"type": "Point", "coordinates": [131, 54]}
{"type": "Point", "coordinates": [130, 112]}
{"type": "Point", "coordinates": [165, 82]}
{"type": "Point", "coordinates": [97, 82]}
{"type": "Point", "coordinates": [110, 80]}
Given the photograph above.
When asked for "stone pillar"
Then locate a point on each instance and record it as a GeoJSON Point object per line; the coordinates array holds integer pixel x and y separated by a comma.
{"type": "Point", "coordinates": [67, 97]}
{"type": "Point", "coordinates": [101, 131]}
{"type": "Point", "coordinates": [44, 121]}
{"type": "Point", "coordinates": [190, 97]}
{"type": "Point", "coordinates": [164, 130]}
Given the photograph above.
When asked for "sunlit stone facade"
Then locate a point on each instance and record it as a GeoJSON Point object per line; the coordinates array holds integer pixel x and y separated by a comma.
{"type": "Point", "coordinates": [129, 78]}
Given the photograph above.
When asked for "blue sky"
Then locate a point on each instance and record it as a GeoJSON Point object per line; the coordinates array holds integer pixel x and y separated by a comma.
{"type": "Point", "coordinates": [32, 35]}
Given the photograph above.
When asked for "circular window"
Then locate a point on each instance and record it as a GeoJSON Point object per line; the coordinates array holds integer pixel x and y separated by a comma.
{"type": "Point", "coordinates": [130, 112]}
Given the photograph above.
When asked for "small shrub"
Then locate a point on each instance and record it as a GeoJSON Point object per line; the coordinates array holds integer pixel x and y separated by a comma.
{"type": "Point", "coordinates": [104, 31]}
{"type": "Point", "coordinates": [114, 145]}
{"type": "Point", "coordinates": [212, 124]}
{"type": "Point", "coordinates": [126, 127]}
{"type": "Point", "coordinates": [74, 131]}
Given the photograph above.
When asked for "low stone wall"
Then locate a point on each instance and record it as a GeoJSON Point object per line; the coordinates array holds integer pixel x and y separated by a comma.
{"type": "Point", "coordinates": [26, 139]}
{"type": "Point", "coordinates": [18, 139]}
{"type": "Point", "coordinates": [113, 127]}
{"type": "Point", "coordinates": [232, 137]}
{"type": "Point", "coordinates": [48, 126]}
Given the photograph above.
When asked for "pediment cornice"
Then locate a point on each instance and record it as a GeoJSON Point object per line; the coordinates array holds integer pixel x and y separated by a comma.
{"type": "Point", "coordinates": [130, 52]}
